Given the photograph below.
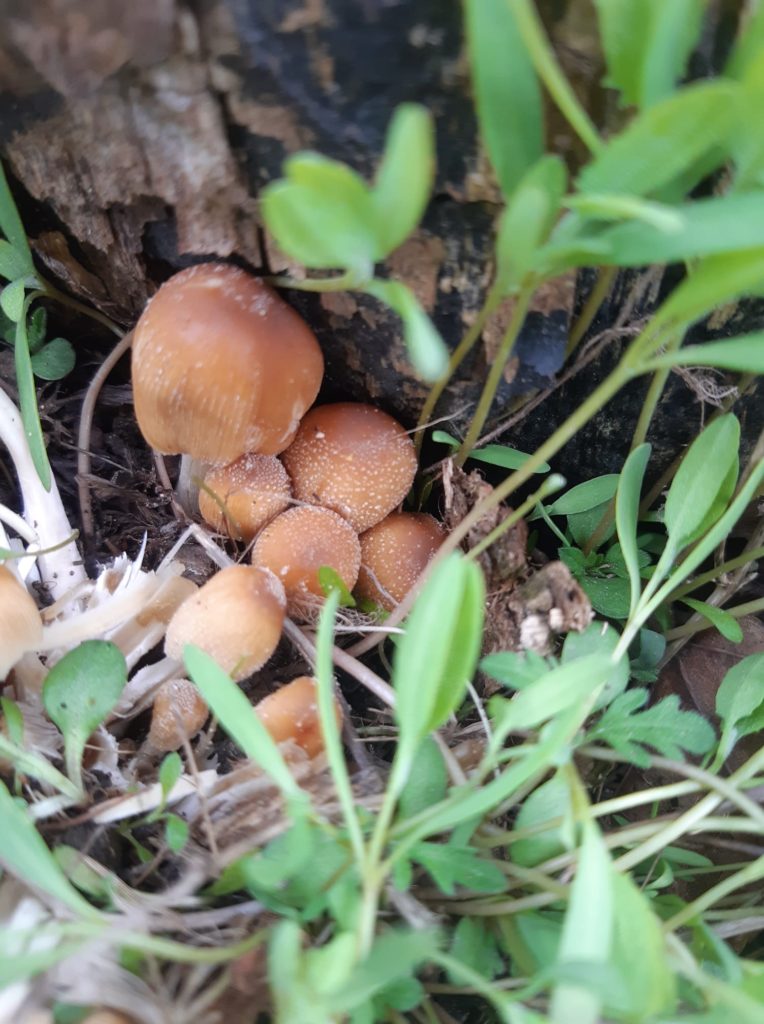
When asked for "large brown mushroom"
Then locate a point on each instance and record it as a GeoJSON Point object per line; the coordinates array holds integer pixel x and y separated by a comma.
{"type": "Point", "coordinates": [298, 543]}
{"type": "Point", "coordinates": [291, 713]}
{"type": "Point", "coordinates": [236, 618]}
{"type": "Point", "coordinates": [352, 458]}
{"type": "Point", "coordinates": [222, 366]}
{"type": "Point", "coordinates": [394, 554]}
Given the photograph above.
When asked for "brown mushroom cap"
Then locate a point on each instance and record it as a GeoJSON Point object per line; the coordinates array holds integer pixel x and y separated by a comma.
{"type": "Point", "coordinates": [394, 554]}
{"type": "Point", "coordinates": [301, 540]}
{"type": "Point", "coordinates": [221, 366]}
{"type": "Point", "coordinates": [20, 622]}
{"type": "Point", "coordinates": [250, 492]}
{"type": "Point", "coordinates": [291, 713]}
{"type": "Point", "coordinates": [178, 713]}
{"type": "Point", "coordinates": [236, 618]}
{"type": "Point", "coordinates": [352, 458]}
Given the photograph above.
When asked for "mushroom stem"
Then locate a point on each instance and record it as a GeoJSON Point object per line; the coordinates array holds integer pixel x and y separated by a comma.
{"type": "Point", "coordinates": [190, 476]}
{"type": "Point", "coordinates": [43, 510]}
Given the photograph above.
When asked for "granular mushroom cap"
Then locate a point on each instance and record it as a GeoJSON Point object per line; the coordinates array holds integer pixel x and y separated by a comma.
{"type": "Point", "coordinates": [352, 458]}
{"type": "Point", "coordinates": [302, 540]}
{"type": "Point", "coordinates": [394, 554]}
{"type": "Point", "coordinates": [241, 497]}
{"type": "Point", "coordinates": [222, 366]}
{"type": "Point", "coordinates": [236, 618]}
{"type": "Point", "coordinates": [178, 713]}
{"type": "Point", "coordinates": [291, 713]}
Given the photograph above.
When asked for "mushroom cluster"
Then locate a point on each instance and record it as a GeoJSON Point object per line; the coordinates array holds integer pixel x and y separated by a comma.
{"type": "Point", "coordinates": [225, 374]}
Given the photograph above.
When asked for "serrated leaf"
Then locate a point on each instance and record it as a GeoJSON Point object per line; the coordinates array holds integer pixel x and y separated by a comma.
{"type": "Point", "coordinates": [80, 691]}
{"type": "Point", "coordinates": [561, 688]}
{"type": "Point", "coordinates": [12, 300]}
{"type": "Point", "coordinates": [627, 515]}
{"type": "Point", "coordinates": [599, 638]}
{"type": "Point", "coordinates": [585, 496]}
{"type": "Point", "coordinates": [720, 619]}
{"type": "Point", "coordinates": [458, 865]}
{"type": "Point", "coordinates": [11, 226]}
{"type": "Point", "coordinates": [527, 221]}
{"type": "Point", "coordinates": [704, 483]}
{"type": "Point", "coordinates": [321, 214]}
{"type": "Point", "coordinates": [664, 727]}
{"type": "Point", "coordinates": [647, 44]}
{"type": "Point", "coordinates": [609, 596]}
{"type": "Point", "coordinates": [436, 657]}
{"type": "Point", "coordinates": [54, 360]}
{"type": "Point", "coordinates": [396, 954]}
{"type": "Point", "coordinates": [474, 946]}
{"type": "Point", "coordinates": [663, 142]}
{"type": "Point", "coordinates": [404, 179]}
{"type": "Point", "coordinates": [426, 349]}
{"type": "Point", "coordinates": [506, 90]}
{"type": "Point", "coordinates": [738, 699]}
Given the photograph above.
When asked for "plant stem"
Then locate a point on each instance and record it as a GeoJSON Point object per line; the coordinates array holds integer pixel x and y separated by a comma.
{"type": "Point", "coordinates": [750, 873]}
{"type": "Point", "coordinates": [552, 75]}
{"type": "Point", "coordinates": [595, 298]}
{"type": "Point", "coordinates": [554, 483]}
{"type": "Point", "coordinates": [458, 356]}
{"type": "Point", "coordinates": [495, 374]}
{"type": "Point", "coordinates": [51, 292]}
{"type": "Point", "coordinates": [693, 627]}
{"type": "Point", "coordinates": [344, 282]}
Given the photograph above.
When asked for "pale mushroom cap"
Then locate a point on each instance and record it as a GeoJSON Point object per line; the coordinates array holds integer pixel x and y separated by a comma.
{"type": "Point", "coordinates": [354, 459]}
{"type": "Point", "coordinates": [302, 540]}
{"type": "Point", "coordinates": [20, 622]}
{"type": "Point", "coordinates": [250, 492]}
{"type": "Point", "coordinates": [178, 713]}
{"type": "Point", "coordinates": [394, 554]}
{"type": "Point", "coordinates": [236, 618]}
{"type": "Point", "coordinates": [222, 366]}
{"type": "Point", "coordinates": [291, 713]}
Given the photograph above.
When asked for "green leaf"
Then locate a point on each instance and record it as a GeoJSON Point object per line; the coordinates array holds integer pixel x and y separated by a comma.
{"type": "Point", "coordinates": [176, 832]}
{"type": "Point", "coordinates": [743, 355]}
{"type": "Point", "coordinates": [527, 221]}
{"type": "Point", "coordinates": [329, 579]}
{"type": "Point", "coordinates": [12, 300]}
{"type": "Point", "coordinates": [547, 803]}
{"type": "Point", "coordinates": [428, 782]}
{"type": "Point", "coordinates": [436, 657]}
{"type": "Point", "coordinates": [506, 90]}
{"type": "Point", "coordinates": [585, 496]}
{"type": "Point", "coordinates": [493, 454]}
{"type": "Point", "coordinates": [627, 515]}
{"type": "Point", "coordinates": [13, 266]}
{"type": "Point", "coordinates": [727, 624]}
{"type": "Point", "coordinates": [740, 700]}
{"type": "Point", "coordinates": [748, 47]}
{"type": "Point", "coordinates": [515, 669]}
{"type": "Point", "coordinates": [709, 226]}
{"type": "Point", "coordinates": [474, 946]}
{"type": "Point", "coordinates": [80, 691]}
{"type": "Point", "coordinates": [587, 932]}
{"type": "Point", "coordinates": [427, 351]}
{"type": "Point", "coordinates": [647, 44]}
{"type": "Point", "coordinates": [321, 214]}
{"type": "Point", "coordinates": [664, 727]}
{"type": "Point", "coordinates": [561, 688]}
{"type": "Point", "coordinates": [170, 770]}
{"type": "Point", "coordinates": [30, 414]}
{"type": "Point", "coordinates": [451, 866]}
{"type": "Point", "coordinates": [404, 179]}
{"type": "Point", "coordinates": [37, 324]}
{"type": "Point", "coordinates": [11, 226]}
{"type": "Point", "coordinates": [599, 638]}
{"type": "Point", "coordinates": [663, 142]}
{"type": "Point", "coordinates": [704, 483]}
{"type": "Point", "coordinates": [239, 720]}
{"type": "Point", "coordinates": [582, 526]}
{"type": "Point", "coordinates": [24, 855]}
{"type": "Point", "coordinates": [646, 983]}
{"type": "Point", "coordinates": [54, 360]}
{"type": "Point", "coordinates": [608, 595]}
{"type": "Point", "coordinates": [13, 720]}
{"type": "Point", "coordinates": [618, 208]}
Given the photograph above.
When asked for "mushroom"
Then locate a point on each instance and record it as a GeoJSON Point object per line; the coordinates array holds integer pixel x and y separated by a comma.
{"type": "Point", "coordinates": [394, 554]}
{"type": "Point", "coordinates": [298, 543]}
{"type": "Point", "coordinates": [291, 713]}
{"type": "Point", "coordinates": [236, 617]}
{"type": "Point", "coordinates": [240, 497]}
{"type": "Point", "coordinates": [20, 622]}
{"type": "Point", "coordinates": [221, 366]}
{"type": "Point", "coordinates": [178, 713]}
{"type": "Point", "coordinates": [352, 458]}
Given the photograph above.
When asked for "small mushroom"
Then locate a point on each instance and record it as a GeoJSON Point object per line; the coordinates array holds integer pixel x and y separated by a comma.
{"type": "Point", "coordinates": [241, 497]}
{"type": "Point", "coordinates": [236, 618]}
{"type": "Point", "coordinates": [178, 713]}
{"type": "Point", "coordinates": [20, 622]}
{"type": "Point", "coordinates": [394, 554]}
{"type": "Point", "coordinates": [298, 543]}
{"type": "Point", "coordinates": [291, 713]}
{"type": "Point", "coordinates": [354, 459]}
{"type": "Point", "coordinates": [222, 366]}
